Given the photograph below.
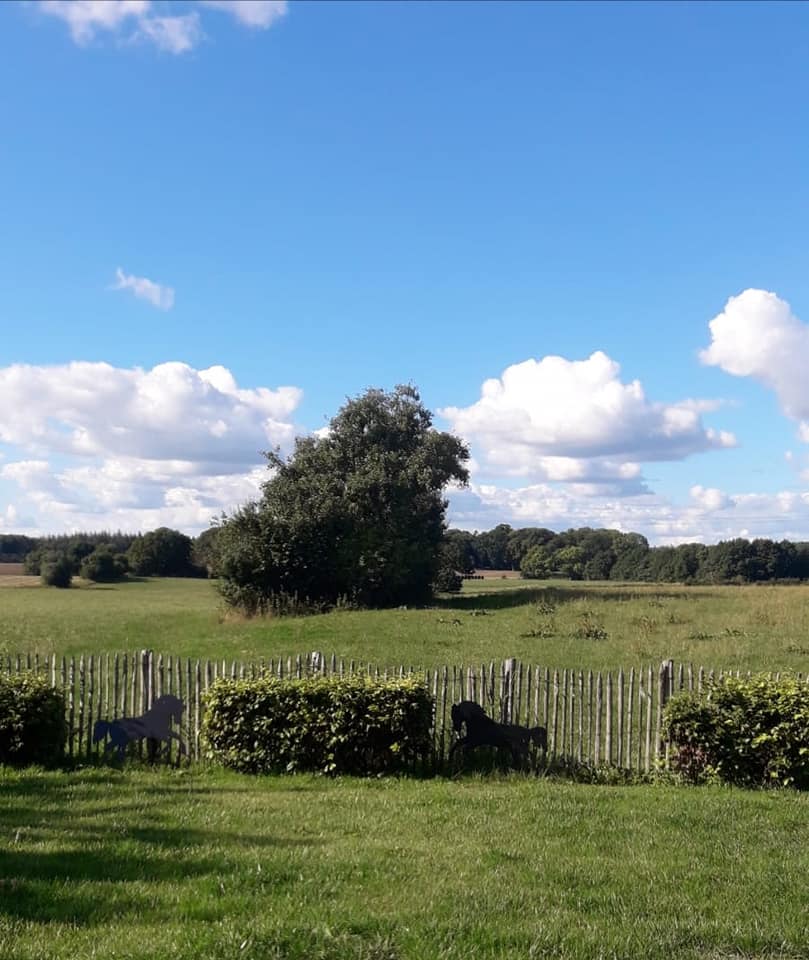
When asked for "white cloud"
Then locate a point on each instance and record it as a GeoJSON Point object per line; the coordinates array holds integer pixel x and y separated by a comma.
{"type": "Point", "coordinates": [96, 445]}
{"type": "Point", "coordinates": [28, 474]}
{"type": "Point", "coordinates": [86, 17]}
{"type": "Point", "coordinates": [158, 295]}
{"type": "Point", "coordinates": [575, 421]}
{"type": "Point", "coordinates": [252, 13]}
{"type": "Point", "coordinates": [758, 336]}
{"type": "Point", "coordinates": [129, 494]}
{"type": "Point", "coordinates": [133, 20]}
{"type": "Point", "coordinates": [709, 498]}
{"type": "Point", "coordinates": [172, 34]}
{"type": "Point", "coordinates": [171, 412]}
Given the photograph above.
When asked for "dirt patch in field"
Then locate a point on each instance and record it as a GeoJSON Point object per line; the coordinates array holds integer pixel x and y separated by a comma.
{"type": "Point", "coordinates": [11, 570]}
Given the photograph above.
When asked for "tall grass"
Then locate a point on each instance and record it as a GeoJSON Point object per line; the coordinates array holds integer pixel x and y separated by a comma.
{"type": "Point", "coordinates": [560, 624]}
{"type": "Point", "coordinates": [186, 864]}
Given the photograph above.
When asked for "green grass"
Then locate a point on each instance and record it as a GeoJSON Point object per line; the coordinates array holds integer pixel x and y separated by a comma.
{"type": "Point", "coordinates": [591, 625]}
{"type": "Point", "coordinates": [184, 864]}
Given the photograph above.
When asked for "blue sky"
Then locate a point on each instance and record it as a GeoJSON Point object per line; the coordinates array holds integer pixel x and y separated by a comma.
{"type": "Point", "coordinates": [221, 219]}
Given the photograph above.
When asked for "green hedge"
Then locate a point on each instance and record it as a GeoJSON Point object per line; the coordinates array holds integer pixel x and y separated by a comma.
{"type": "Point", "coordinates": [355, 725]}
{"type": "Point", "coordinates": [751, 731]}
{"type": "Point", "coordinates": [32, 720]}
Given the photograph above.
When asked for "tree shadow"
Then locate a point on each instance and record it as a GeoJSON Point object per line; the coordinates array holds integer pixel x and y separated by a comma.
{"type": "Point", "coordinates": [84, 862]}
{"type": "Point", "coordinates": [556, 595]}
{"type": "Point", "coordinates": [91, 885]}
{"type": "Point", "coordinates": [499, 600]}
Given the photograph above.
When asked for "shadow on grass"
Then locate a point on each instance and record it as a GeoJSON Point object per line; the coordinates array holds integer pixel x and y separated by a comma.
{"type": "Point", "coordinates": [53, 788]}
{"type": "Point", "coordinates": [82, 862]}
{"type": "Point", "coordinates": [96, 884]}
{"type": "Point", "coordinates": [525, 596]}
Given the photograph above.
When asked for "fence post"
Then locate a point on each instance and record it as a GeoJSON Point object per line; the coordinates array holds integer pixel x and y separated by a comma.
{"type": "Point", "coordinates": [665, 688]}
{"type": "Point", "coordinates": [509, 669]}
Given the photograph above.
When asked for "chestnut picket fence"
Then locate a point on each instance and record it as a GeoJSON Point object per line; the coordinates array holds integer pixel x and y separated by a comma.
{"type": "Point", "coordinates": [608, 717]}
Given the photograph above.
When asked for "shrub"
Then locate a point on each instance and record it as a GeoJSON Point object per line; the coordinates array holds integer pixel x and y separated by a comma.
{"type": "Point", "coordinates": [56, 571]}
{"type": "Point", "coordinates": [356, 725]}
{"type": "Point", "coordinates": [749, 731]}
{"type": "Point", "coordinates": [32, 564]}
{"type": "Point", "coordinates": [32, 720]}
{"type": "Point", "coordinates": [447, 580]}
{"type": "Point", "coordinates": [103, 566]}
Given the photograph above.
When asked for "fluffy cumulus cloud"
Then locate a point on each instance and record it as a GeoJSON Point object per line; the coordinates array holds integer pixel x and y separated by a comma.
{"type": "Point", "coordinates": [576, 422]}
{"type": "Point", "coordinates": [757, 335]}
{"type": "Point", "coordinates": [91, 445]}
{"type": "Point", "coordinates": [145, 20]}
{"type": "Point", "coordinates": [158, 295]}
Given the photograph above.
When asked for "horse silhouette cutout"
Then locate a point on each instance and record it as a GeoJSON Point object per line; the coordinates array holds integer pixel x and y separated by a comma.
{"type": "Point", "coordinates": [155, 724]}
{"type": "Point", "coordinates": [482, 731]}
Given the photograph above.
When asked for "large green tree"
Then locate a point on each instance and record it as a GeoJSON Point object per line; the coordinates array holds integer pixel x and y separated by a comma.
{"type": "Point", "coordinates": [356, 515]}
{"type": "Point", "coordinates": [161, 553]}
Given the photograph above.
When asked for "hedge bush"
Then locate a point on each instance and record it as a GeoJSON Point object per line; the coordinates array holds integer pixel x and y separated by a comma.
{"type": "Point", "coordinates": [355, 725]}
{"type": "Point", "coordinates": [750, 731]}
{"type": "Point", "coordinates": [56, 571]}
{"type": "Point", "coordinates": [104, 566]}
{"type": "Point", "coordinates": [33, 728]}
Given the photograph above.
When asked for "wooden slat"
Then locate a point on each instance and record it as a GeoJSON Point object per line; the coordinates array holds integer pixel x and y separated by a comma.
{"type": "Point", "coordinates": [554, 731]}
{"type": "Point", "coordinates": [597, 754]}
{"type": "Point", "coordinates": [71, 704]}
{"type": "Point", "coordinates": [629, 696]}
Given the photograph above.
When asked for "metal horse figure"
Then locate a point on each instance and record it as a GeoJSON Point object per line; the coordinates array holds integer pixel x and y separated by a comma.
{"type": "Point", "coordinates": [154, 724]}
{"type": "Point", "coordinates": [482, 731]}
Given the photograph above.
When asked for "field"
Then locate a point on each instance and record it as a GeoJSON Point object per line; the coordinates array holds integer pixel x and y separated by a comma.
{"type": "Point", "coordinates": [11, 570]}
{"type": "Point", "coordinates": [557, 624]}
{"type": "Point", "coordinates": [199, 863]}
{"type": "Point", "coordinates": [172, 864]}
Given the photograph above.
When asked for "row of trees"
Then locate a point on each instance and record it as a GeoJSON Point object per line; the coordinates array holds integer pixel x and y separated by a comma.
{"type": "Point", "coordinates": [106, 558]}
{"type": "Point", "coordinates": [588, 554]}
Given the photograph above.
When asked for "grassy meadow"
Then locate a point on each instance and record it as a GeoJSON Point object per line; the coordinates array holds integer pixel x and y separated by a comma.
{"type": "Point", "coordinates": [201, 864]}
{"type": "Point", "coordinates": [204, 864]}
{"type": "Point", "coordinates": [558, 624]}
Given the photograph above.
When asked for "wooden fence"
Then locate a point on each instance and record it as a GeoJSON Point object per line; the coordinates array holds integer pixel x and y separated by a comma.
{"type": "Point", "coordinates": [598, 717]}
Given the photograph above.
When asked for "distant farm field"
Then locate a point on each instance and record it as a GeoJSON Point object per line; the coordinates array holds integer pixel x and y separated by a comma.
{"type": "Point", "coordinates": [557, 624]}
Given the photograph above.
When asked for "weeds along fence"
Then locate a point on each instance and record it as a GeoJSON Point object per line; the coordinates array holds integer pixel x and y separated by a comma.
{"type": "Point", "coordinates": [596, 717]}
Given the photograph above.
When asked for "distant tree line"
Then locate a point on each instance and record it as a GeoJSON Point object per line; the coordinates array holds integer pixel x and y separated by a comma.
{"type": "Point", "coordinates": [536, 552]}
{"type": "Point", "coordinates": [106, 557]}
{"type": "Point", "coordinates": [14, 547]}
{"type": "Point", "coordinates": [588, 554]}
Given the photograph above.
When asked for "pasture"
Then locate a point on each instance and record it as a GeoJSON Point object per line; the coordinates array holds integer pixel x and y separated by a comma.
{"type": "Point", "coordinates": [560, 624]}
{"type": "Point", "coordinates": [198, 862]}
{"type": "Point", "coordinates": [191, 864]}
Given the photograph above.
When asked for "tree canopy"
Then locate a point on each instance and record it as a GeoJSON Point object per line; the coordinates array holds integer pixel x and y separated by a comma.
{"type": "Point", "coordinates": [588, 554]}
{"type": "Point", "coordinates": [162, 553]}
{"type": "Point", "coordinates": [354, 516]}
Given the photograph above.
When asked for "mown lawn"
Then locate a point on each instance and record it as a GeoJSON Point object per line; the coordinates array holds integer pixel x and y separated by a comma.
{"type": "Point", "coordinates": [205, 864]}
{"type": "Point", "coordinates": [558, 624]}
